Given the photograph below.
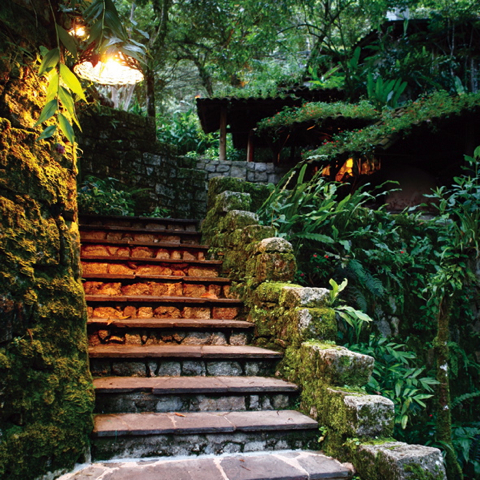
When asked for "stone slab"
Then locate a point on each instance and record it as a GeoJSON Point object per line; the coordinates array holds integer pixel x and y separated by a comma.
{"type": "Point", "coordinates": [170, 278]}
{"type": "Point", "coordinates": [160, 299]}
{"type": "Point", "coordinates": [136, 424]}
{"type": "Point", "coordinates": [181, 351]}
{"type": "Point", "coordinates": [270, 420]}
{"type": "Point", "coordinates": [114, 258]}
{"type": "Point", "coordinates": [191, 385]}
{"type": "Point", "coordinates": [128, 242]}
{"type": "Point", "coordinates": [282, 465]}
{"type": "Point", "coordinates": [256, 468]}
{"type": "Point", "coordinates": [171, 323]}
{"type": "Point", "coordinates": [318, 466]}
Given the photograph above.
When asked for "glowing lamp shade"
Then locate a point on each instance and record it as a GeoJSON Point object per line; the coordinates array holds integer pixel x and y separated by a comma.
{"type": "Point", "coordinates": [112, 70]}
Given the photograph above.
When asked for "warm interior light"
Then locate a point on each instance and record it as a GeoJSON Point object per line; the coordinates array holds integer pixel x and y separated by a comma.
{"type": "Point", "coordinates": [113, 70]}
{"type": "Point", "coordinates": [363, 167]}
{"type": "Point", "coordinates": [78, 31]}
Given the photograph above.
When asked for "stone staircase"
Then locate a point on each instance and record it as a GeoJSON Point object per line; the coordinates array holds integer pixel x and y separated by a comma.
{"type": "Point", "coordinates": [174, 373]}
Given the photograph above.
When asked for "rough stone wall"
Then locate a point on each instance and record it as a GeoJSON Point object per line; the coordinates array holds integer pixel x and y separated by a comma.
{"type": "Point", "coordinates": [300, 322]}
{"type": "Point", "coordinates": [123, 146]}
{"type": "Point", "coordinates": [46, 396]}
{"type": "Point", "coordinates": [253, 172]}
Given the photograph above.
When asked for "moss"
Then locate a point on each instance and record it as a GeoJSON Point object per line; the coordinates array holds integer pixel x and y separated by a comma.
{"type": "Point", "coordinates": [258, 193]}
{"type": "Point", "coordinates": [45, 384]}
{"type": "Point", "coordinates": [416, 472]}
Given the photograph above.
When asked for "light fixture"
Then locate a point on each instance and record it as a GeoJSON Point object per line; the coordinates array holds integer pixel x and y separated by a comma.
{"type": "Point", "coordinates": [109, 69]}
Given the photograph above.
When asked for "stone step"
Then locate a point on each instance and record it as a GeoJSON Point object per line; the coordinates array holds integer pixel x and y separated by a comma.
{"type": "Point", "coordinates": [179, 360]}
{"type": "Point", "coordinates": [178, 351]}
{"type": "Point", "coordinates": [180, 287]}
{"type": "Point", "coordinates": [138, 435]}
{"type": "Point", "coordinates": [108, 335]}
{"type": "Point", "coordinates": [149, 259]}
{"type": "Point", "coordinates": [149, 267]}
{"type": "Point", "coordinates": [192, 394]}
{"type": "Point", "coordinates": [144, 223]}
{"type": "Point", "coordinates": [141, 241]}
{"type": "Point", "coordinates": [163, 307]}
{"type": "Point", "coordinates": [125, 306]}
{"type": "Point", "coordinates": [132, 276]}
{"type": "Point", "coordinates": [280, 465]}
{"type": "Point", "coordinates": [170, 323]}
{"type": "Point", "coordinates": [181, 331]}
{"type": "Point", "coordinates": [181, 238]}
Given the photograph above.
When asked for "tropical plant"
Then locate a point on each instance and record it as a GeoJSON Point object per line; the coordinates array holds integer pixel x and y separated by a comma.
{"type": "Point", "coordinates": [106, 197]}
{"type": "Point", "coordinates": [397, 377]}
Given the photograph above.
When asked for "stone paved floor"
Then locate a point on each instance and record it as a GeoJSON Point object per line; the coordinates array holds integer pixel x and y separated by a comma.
{"type": "Point", "coordinates": [281, 465]}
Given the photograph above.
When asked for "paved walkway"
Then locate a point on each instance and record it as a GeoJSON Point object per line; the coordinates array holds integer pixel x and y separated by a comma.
{"type": "Point", "coordinates": [281, 465]}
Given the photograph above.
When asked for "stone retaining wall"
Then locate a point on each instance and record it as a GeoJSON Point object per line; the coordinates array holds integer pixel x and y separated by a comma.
{"type": "Point", "coordinates": [124, 146]}
{"type": "Point", "coordinates": [253, 172]}
{"type": "Point", "coordinates": [299, 321]}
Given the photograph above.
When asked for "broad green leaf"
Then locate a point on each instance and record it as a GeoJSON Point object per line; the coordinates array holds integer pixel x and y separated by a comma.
{"type": "Point", "coordinates": [67, 40]}
{"type": "Point", "coordinates": [47, 133]}
{"type": "Point", "coordinates": [71, 81]}
{"type": "Point", "coordinates": [66, 128]}
{"type": "Point", "coordinates": [48, 111]}
{"type": "Point", "coordinates": [49, 61]}
{"type": "Point", "coordinates": [52, 90]}
{"type": "Point", "coordinates": [68, 103]}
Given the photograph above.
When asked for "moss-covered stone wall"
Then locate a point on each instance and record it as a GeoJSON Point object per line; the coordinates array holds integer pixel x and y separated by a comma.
{"type": "Point", "coordinates": [46, 396]}
{"type": "Point", "coordinates": [123, 146]}
{"type": "Point", "coordinates": [300, 322]}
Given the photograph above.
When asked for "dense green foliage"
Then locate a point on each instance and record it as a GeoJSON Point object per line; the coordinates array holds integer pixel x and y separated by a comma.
{"type": "Point", "coordinates": [402, 270]}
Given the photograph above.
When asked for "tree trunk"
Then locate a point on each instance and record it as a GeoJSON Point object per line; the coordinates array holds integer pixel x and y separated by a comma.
{"type": "Point", "coordinates": [444, 418]}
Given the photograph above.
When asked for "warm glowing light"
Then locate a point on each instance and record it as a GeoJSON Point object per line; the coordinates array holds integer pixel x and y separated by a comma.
{"type": "Point", "coordinates": [114, 70]}
{"type": "Point", "coordinates": [78, 31]}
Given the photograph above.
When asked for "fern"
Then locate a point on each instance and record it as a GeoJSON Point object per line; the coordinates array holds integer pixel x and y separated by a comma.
{"type": "Point", "coordinates": [462, 398]}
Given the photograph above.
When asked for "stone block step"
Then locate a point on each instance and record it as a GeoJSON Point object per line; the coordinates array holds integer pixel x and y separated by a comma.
{"type": "Point", "coordinates": [133, 276]}
{"type": "Point", "coordinates": [144, 223]}
{"type": "Point", "coordinates": [182, 352]}
{"type": "Point", "coordinates": [163, 434]}
{"type": "Point", "coordinates": [179, 237]}
{"type": "Point", "coordinates": [170, 323]}
{"type": "Point", "coordinates": [181, 287]}
{"type": "Point", "coordinates": [161, 307]}
{"type": "Point", "coordinates": [146, 240]}
{"type": "Point", "coordinates": [158, 334]}
{"type": "Point", "coordinates": [192, 394]}
{"type": "Point", "coordinates": [153, 260]}
{"type": "Point", "coordinates": [148, 267]}
{"type": "Point", "coordinates": [178, 385]}
{"type": "Point", "coordinates": [280, 465]}
{"type": "Point", "coordinates": [155, 253]}
{"type": "Point", "coordinates": [161, 299]}
{"type": "Point", "coordinates": [179, 360]}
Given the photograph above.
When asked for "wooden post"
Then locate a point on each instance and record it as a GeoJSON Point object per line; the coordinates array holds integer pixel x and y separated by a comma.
{"type": "Point", "coordinates": [222, 154]}
{"type": "Point", "coordinates": [250, 146]}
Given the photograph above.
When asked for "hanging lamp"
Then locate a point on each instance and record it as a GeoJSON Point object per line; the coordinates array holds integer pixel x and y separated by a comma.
{"type": "Point", "coordinates": [109, 69]}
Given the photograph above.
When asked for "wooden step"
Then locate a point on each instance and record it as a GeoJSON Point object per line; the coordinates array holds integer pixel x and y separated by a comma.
{"type": "Point", "coordinates": [204, 352]}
